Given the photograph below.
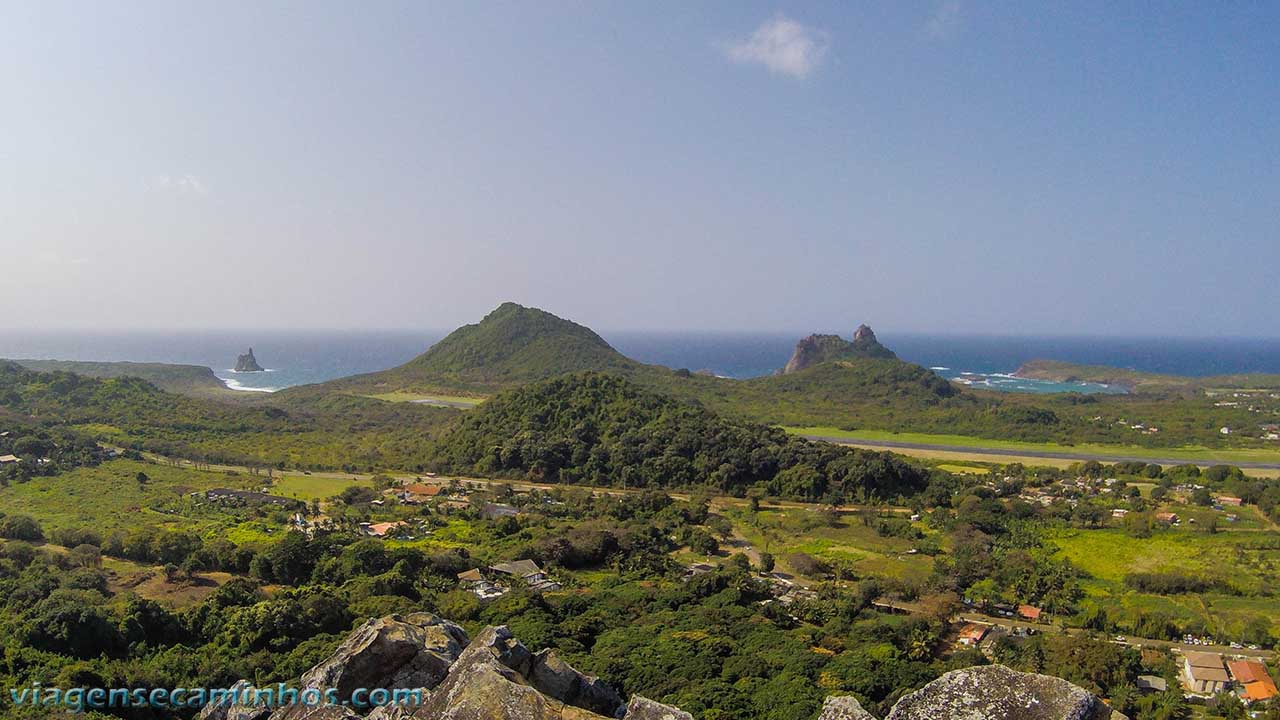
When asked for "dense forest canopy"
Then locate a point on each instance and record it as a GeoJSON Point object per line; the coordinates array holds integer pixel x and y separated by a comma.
{"type": "Point", "coordinates": [604, 430]}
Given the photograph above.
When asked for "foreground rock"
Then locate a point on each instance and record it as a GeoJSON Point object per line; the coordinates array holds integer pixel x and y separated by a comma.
{"type": "Point", "coordinates": [994, 692]}
{"type": "Point", "coordinates": [495, 677]}
{"type": "Point", "coordinates": [843, 708]}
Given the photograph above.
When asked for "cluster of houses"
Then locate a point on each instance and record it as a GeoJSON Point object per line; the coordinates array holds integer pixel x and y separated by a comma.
{"type": "Point", "coordinates": [495, 581]}
{"type": "Point", "coordinates": [1207, 674]}
{"type": "Point", "coordinates": [240, 498]}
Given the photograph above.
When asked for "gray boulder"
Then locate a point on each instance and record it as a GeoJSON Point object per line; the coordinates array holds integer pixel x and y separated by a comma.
{"type": "Point", "coordinates": [845, 707]}
{"type": "Point", "coordinates": [645, 709]}
{"type": "Point", "coordinates": [995, 692]}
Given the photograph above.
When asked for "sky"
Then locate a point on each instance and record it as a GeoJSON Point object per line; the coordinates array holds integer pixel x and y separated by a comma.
{"type": "Point", "coordinates": [1088, 168]}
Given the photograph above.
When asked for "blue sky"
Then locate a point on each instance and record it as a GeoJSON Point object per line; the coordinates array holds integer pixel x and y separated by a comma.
{"type": "Point", "coordinates": [1063, 168]}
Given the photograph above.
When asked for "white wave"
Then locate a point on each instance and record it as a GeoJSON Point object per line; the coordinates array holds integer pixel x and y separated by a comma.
{"type": "Point", "coordinates": [236, 385]}
{"type": "Point", "coordinates": [939, 367]}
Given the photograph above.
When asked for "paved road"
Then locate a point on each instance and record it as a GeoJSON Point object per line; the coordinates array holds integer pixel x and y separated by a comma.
{"type": "Point", "coordinates": [1049, 455]}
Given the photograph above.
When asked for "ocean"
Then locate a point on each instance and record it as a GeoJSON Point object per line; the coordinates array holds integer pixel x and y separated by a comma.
{"type": "Point", "coordinates": [303, 357]}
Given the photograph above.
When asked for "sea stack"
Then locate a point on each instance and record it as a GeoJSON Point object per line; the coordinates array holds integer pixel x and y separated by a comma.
{"type": "Point", "coordinates": [818, 349]}
{"type": "Point", "coordinates": [248, 363]}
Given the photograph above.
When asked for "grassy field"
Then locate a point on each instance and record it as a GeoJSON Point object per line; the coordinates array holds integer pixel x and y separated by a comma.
{"type": "Point", "coordinates": [850, 543]}
{"type": "Point", "coordinates": [964, 469]}
{"type": "Point", "coordinates": [1190, 453]}
{"type": "Point", "coordinates": [109, 497]}
{"type": "Point", "coordinates": [312, 487]}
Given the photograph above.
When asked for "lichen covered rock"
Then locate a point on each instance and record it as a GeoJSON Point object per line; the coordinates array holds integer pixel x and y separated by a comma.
{"type": "Point", "coordinates": [995, 692]}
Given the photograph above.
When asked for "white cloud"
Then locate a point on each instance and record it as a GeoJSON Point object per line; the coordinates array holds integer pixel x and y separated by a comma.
{"type": "Point", "coordinates": [784, 46]}
{"type": "Point", "coordinates": [945, 20]}
{"type": "Point", "coordinates": [186, 184]}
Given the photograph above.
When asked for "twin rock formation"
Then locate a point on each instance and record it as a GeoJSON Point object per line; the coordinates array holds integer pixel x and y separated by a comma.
{"type": "Point", "coordinates": [495, 677]}
{"type": "Point", "coordinates": [818, 349]}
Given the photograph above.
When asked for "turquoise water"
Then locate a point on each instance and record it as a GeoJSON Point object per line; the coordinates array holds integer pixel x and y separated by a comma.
{"type": "Point", "coordinates": [296, 358]}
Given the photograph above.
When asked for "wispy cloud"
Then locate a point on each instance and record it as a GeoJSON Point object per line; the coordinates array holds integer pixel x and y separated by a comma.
{"type": "Point", "coordinates": [945, 21]}
{"type": "Point", "coordinates": [782, 45]}
{"type": "Point", "coordinates": [185, 184]}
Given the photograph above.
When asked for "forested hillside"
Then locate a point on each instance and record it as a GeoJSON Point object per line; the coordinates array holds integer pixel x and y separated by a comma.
{"type": "Point", "coordinates": [601, 429]}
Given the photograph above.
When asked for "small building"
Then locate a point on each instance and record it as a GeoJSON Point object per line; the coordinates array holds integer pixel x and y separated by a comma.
{"type": "Point", "coordinates": [1204, 674]}
{"type": "Point", "coordinates": [419, 492]}
{"type": "Point", "coordinates": [972, 634]}
{"type": "Point", "coordinates": [1168, 518]}
{"type": "Point", "coordinates": [697, 569]}
{"type": "Point", "coordinates": [7, 459]}
{"type": "Point", "coordinates": [1255, 682]}
{"type": "Point", "coordinates": [1119, 513]}
{"type": "Point", "coordinates": [529, 572]}
{"type": "Point", "coordinates": [495, 511]}
{"type": "Point", "coordinates": [1229, 500]}
{"type": "Point", "coordinates": [382, 530]}
{"type": "Point", "coordinates": [1030, 612]}
{"type": "Point", "coordinates": [1152, 683]}
{"type": "Point", "coordinates": [476, 583]}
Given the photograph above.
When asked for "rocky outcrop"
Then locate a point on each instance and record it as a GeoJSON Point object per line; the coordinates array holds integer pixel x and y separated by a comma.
{"type": "Point", "coordinates": [494, 677]}
{"type": "Point", "coordinates": [843, 708]}
{"type": "Point", "coordinates": [645, 709]}
{"type": "Point", "coordinates": [995, 692]}
{"type": "Point", "coordinates": [818, 349]}
{"type": "Point", "coordinates": [248, 363]}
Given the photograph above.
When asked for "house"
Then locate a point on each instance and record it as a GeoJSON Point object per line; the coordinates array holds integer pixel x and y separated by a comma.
{"type": "Point", "coordinates": [697, 569]}
{"type": "Point", "coordinates": [1229, 500]}
{"type": "Point", "coordinates": [494, 511]}
{"type": "Point", "coordinates": [1119, 513]}
{"type": "Point", "coordinates": [382, 530]}
{"type": "Point", "coordinates": [1030, 612]}
{"type": "Point", "coordinates": [972, 634]}
{"type": "Point", "coordinates": [1204, 674]}
{"type": "Point", "coordinates": [6, 459]}
{"type": "Point", "coordinates": [475, 582]}
{"type": "Point", "coordinates": [419, 492]}
{"type": "Point", "coordinates": [1168, 518]}
{"type": "Point", "coordinates": [1152, 683]}
{"type": "Point", "coordinates": [1255, 682]}
{"type": "Point", "coordinates": [529, 572]}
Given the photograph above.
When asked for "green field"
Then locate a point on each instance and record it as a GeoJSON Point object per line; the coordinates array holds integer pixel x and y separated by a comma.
{"type": "Point", "coordinates": [109, 497]}
{"type": "Point", "coordinates": [312, 487]}
{"type": "Point", "coordinates": [1187, 453]}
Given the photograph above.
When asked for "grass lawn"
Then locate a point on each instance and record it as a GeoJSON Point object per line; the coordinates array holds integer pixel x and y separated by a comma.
{"type": "Point", "coordinates": [312, 487]}
{"type": "Point", "coordinates": [108, 498]}
{"type": "Point", "coordinates": [965, 469]}
{"type": "Point", "coordinates": [1190, 453]}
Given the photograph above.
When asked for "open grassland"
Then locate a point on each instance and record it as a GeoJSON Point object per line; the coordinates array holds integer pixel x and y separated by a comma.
{"type": "Point", "coordinates": [313, 487]}
{"type": "Point", "coordinates": [1249, 561]}
{"type": "Point", "coordinates": [850, 543]}
{"type": "Point", "coordinates": [1187, 453]}
{"type": "Point", "coordinates": [109, 497]}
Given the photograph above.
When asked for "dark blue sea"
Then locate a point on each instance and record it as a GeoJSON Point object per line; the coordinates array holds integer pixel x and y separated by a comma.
{"type": "Point", "coordinates": [301, 357]}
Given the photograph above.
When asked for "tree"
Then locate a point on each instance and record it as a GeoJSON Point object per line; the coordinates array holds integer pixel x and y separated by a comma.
{"type": "Point", "coordinates": [21, 527]}
{"type": "Point", "coordinates": [766, 562]}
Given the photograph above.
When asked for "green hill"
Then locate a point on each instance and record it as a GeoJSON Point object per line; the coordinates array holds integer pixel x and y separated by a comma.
{"type": "Point", "coordinates": [602, 429]}
{"type": "Point", "coordinates": [194, 380]}
{"type": "Point", "coordinates": [511, 346]}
